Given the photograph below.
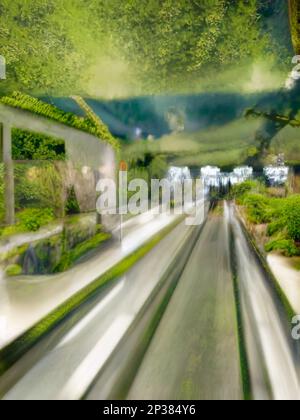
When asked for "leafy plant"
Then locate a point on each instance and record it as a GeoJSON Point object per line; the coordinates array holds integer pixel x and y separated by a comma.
{"type": "Point", "coordinates": [72, 205]}
{"type": "Point", "coordinates": [29, 220]}
{"type": "Point", "coordinates": [276, 226]}
{"type": "Point", "coordinates": [50, 183]}
{"type": "Point", "coordinates": [80, 250]}
{"type": "Point", "coordinates": [239, 191]}
{"type": "Point", "coordinates": [33, 219]}
{"type": "Point", "coordinates": [292, 217]}
{"type": "Point", "coordinates": [27, 191]}
{"type": "Point", "coordinates": [13, 270]}
{"type": "Point", "coordinates": [28, 103]}
{"type": "Point", "coordinates": [287, 246]}
{"type": "Point", "coordinates": [34, 146]}
{"type": "Point", "coordinates": [257, 208]}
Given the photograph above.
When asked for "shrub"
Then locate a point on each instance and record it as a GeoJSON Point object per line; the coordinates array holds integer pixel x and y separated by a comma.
{"type": "Point", "coordinates": [72, 205]}
{"type": "Point", "coordinates": [27, 191]}
{"type": "Point", "coordinates": [70, 257]}
{"type": "Point", "coordinates": [28, 103]}
{"type": "Point", "coordinates": [286, 246]}
{"type": "Point", "coordinates": [240, 190]}
{"type": "Point", "coordinates": [276, 226]}
{"type": "Point", "coordinates": [50, 184]}
{"type": "Point", "coordinates": [34, 219]}
{"type": "Point", "coordinates": [33, 146]}
{"type": "Point", "coordinates": [257, 208]}
{"type": "Point", "coordinates": [40, 185]}
{"type": "Point", "coordinates": [13, 270]}
{"type": "Point", "coordinates": [158, 167]}
{"type": "Point", "coordinates": [29, 220]}
{"type": "Point", "coordinates": [292, 217]}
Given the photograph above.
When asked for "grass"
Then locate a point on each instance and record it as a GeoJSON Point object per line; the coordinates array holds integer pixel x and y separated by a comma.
{"type": "Point", "coordinates": [13, 270]}
{"type": "Point", "coordinates": [70, 257]}
{"type": "Point", "coordinates": [11, 353]}
{"type": "Point", "coordinates": [29, 220]}
{"type": "Point", "coordinates": [15, 252]}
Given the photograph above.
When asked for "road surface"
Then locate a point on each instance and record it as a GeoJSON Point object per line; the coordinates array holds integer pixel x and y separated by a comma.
{"type": "Point", "coordinates": [195, 353]}
{"type": "Point", "coordinates": [70, 364]}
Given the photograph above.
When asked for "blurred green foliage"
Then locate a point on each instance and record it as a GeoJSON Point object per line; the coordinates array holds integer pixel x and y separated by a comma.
{"type": "Point", "coordinates": [13, 270]}
{"type": "Point", "coordinates": [72, 205]}
{"type": "Point", "coordinates": [281, 215]}
{"type": "Point", "coordinates": [29, 220]}
{"type": "Point", "coordinates": [34, 146]}
{"type": "Point", "coordinates": [292, 217]}
{"type": "Point", "coordinates": [295, 29]}
{"type": "Point", "coordinates": [28, 103]}
{"type": "Point", "coordinates": [54, 46]}
{"type": "Point", "coordinates": [286, 246]}
{"type": "Point", "coordinates": [33, 219]}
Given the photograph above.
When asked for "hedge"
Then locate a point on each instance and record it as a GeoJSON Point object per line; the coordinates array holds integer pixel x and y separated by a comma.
{"type": "Point", "coordinates": [28, 103]}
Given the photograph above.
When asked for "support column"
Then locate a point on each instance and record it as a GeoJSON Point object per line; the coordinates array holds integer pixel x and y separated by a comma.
{"type": "Point", "coordinates": [9, 181]}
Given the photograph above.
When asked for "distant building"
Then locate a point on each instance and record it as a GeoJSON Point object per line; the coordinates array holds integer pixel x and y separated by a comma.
{"type": "Point", "coordinates": [210, 176]}
{"type": "Point", "coordinates": [277, 175]}
{"type": "Point", "coordinates": [210, 171]}
{"type": "Point", "coordinates": [244, 172]}
{"type": "Point", "coordinates": [177, 174]}
{"type": "Point", "coordinates": [213, 177]}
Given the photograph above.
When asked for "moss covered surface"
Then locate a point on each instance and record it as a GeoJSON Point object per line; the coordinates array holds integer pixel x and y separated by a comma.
{"type": "Point", "coordinates": [38, 107]}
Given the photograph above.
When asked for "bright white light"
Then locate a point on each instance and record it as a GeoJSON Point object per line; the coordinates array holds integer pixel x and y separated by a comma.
{"type": "Point", "coordinates": [277, 175]}
{"type": "Point", "coordinates": [177, 174]}
{"type": "Point", "coordinates": [213, 177]}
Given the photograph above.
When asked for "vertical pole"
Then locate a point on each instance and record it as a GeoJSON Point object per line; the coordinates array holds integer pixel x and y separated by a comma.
{"type": "Point", "coordinates": [123, 198]}
{"type": "Point", "coordinates": [9, 182]}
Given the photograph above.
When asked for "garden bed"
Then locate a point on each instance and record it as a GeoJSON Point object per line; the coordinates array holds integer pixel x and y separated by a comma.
{"type": "Point", "coordinates": [71, 239]}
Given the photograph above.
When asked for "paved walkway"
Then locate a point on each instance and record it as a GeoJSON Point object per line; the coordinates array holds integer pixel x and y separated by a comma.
{"type": "Point", "coordinates": [288, 279]}
{"type": "Point", "coordinates": [194, 354]}
{"type": "Point", "coordinates": [27, 299]}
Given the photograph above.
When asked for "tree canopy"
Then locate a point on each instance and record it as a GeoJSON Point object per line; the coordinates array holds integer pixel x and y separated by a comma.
{"type": "Point", "coordinates": [67, 46]}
